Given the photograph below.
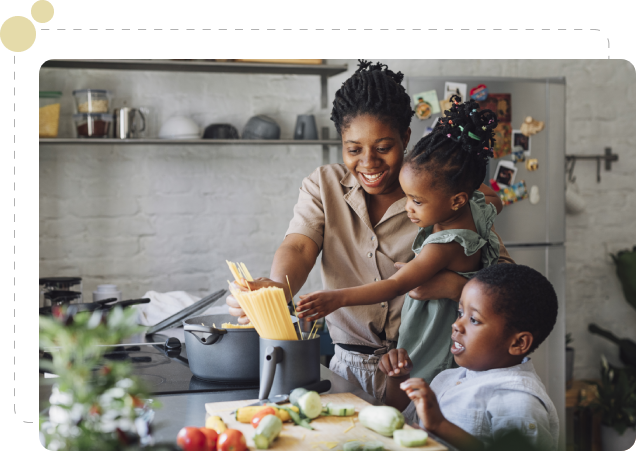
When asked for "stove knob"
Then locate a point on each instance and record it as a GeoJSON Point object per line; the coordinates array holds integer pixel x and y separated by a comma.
{"type": "Point", "coordinates": [172, 344]}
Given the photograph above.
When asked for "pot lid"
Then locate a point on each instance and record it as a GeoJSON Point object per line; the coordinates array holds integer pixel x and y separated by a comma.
{"type": "Point", "coordinates": [60, 282]}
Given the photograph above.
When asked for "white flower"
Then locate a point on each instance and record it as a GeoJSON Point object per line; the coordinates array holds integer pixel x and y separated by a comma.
{"type": "Point", "coordinates": [124, 383]}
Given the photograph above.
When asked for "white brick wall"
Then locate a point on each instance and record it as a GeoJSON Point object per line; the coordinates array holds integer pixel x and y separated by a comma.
{"type": "Point", "coordinates": [166, 218]}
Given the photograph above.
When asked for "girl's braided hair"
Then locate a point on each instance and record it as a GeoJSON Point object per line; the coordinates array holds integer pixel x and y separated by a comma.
{"type": "Point", "coordinates": [374, 90]}
{"type": "Point", "coordinates": [456, 152]}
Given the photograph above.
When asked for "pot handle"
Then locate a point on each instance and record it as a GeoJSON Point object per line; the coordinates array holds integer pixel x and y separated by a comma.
{"type": "Point", "coordinates": [210, 335]}
{"type": "Point", "coordinates": [273, 355]}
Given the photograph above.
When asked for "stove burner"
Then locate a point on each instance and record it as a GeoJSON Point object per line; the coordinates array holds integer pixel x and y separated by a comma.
{"type": "Point", "coordinates": [151, 380]}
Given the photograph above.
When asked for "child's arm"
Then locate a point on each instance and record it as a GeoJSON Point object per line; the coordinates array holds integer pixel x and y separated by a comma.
{"type": "Point", "coordinates": [432, 259]}
{"type": "Point", "coordinates": [432, 418]}
{"type": "Point", "coordinates": [397, 365]}
{"type": "Point", "coordinates": [491, 197]}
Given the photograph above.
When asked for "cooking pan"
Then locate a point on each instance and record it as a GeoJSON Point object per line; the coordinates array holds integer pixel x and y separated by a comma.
{"type": "Point", "coordinates": [221, 355]}
{"type": "Point", "coordinates": [104, 304]}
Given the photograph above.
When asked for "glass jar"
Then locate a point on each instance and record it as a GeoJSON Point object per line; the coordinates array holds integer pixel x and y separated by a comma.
{"type": "Point", "coordinates": [60, 290]}
{"type": "Point", "coordinates": [92, 100]}
{"type": "Point", "coordinates": [49, 113]}
{"type": "Point", "coordinates": [93, 125]}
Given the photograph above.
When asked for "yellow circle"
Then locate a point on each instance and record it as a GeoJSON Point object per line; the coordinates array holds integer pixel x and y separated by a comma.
{"type": "Point", "coordinates": [17, 33]}
{"type": "Point", "coordinates": [42, 11]}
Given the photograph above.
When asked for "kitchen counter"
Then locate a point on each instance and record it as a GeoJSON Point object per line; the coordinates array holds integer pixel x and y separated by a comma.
{"type": "Point", "coordinates": [188, 409]}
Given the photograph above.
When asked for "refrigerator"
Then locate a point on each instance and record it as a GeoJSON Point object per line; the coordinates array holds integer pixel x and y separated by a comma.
{"type": "Point", "coordinates": [534, 234]}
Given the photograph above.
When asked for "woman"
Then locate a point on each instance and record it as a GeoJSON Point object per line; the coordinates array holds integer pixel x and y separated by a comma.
{"type": "Point", "coordinates": [354, 214]}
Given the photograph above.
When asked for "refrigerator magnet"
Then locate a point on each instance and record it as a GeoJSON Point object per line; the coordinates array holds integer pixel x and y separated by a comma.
{"type": "Point", "coordinates": [445, 104]}
{"type": "Point", "coordinates": [505, 173]}
{"type": "Point", "coordinates": [479, 92]}
{"type": "Point", "coordinates": [531, 126]}
{"type": "Point", "coordinates": [518, 156]}
{"type": "Point", "coordinates": [495, 187]}
{"type": "Point", "coordinates": [520, 142]}
{"type": "Point", "coordinates": [452, 88]}
{"type": "Point", "coordinates": [532, 164]}
{"type": "Point", "coordinates": [426, 104]}
{"type": "Point", "coordinates": [534, 195]}
{"type": "Point", "coordinates": [514, 193]}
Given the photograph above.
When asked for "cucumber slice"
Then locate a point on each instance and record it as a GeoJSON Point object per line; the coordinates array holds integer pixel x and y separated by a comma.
{"type": "Point", "coordinates": [310, 404]}
{"type": "Point", "coordinates": [295, 395]}
{"type": "Point", "coordinates": [267, 431]}
{"type": "Point", "coordinates": [410, 437]}
{"type": "Point", "coordinates": [341, 410]}
{"type": "Point", "coordinates": [376, 445]}
{"type": "Point", "coordinates": [353, 446]}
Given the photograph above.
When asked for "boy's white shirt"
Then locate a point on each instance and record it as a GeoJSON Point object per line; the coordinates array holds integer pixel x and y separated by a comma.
{"type": "Point", "coordinates": [486, 404]}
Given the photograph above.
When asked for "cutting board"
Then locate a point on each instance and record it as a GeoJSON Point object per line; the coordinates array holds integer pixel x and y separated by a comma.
{"type": "Point", "coordinates": [328, 434]}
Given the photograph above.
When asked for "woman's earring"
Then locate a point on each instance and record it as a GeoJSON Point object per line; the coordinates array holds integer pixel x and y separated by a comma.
{"type": "Point", "coordinates": [455, 208]}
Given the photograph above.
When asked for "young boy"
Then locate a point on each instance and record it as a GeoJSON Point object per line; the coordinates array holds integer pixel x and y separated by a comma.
{"type": "Point", "coordinates": [505, 313]}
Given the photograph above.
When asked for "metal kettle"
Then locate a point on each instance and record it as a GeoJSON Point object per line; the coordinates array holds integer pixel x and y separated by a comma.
{"type": "Point", "coordinates": [126, 125]}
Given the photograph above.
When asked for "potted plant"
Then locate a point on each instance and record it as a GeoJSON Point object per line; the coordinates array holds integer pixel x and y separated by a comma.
{"type": "Point", "coordinates": [626, 271]}
{"type": "Point", "coordinates": [569, 360]}
{"type": "Point", "coordinates": [616, 404]}
{"type": "Point", "coordinates": [93, 405]}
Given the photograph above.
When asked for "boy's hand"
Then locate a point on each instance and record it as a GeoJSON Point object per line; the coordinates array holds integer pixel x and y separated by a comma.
{"type": "Point", "coordinates": [425, 403]}
{"type": "Point", "coordinates": [396, 363]}
{"type": "Point", "coordinates": [318, 304]}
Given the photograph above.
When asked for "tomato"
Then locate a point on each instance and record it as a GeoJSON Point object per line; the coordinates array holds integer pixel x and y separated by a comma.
{"type": "Point", "coordinates": [258, 416]}
{"type": "Point", "coordinates": [231, 440]}
{"type": "Point", "coordinates": [211, 438]}
{"type": "Point", "coordinates": [192, 439]}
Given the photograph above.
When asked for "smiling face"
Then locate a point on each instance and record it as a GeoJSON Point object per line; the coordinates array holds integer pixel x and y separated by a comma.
{"type": "Point", "coordinates": [373, 152]}
{"type": "Point", "coordinates": [426, 204]}
{"type": "Point", "coordinates": [481, 340]}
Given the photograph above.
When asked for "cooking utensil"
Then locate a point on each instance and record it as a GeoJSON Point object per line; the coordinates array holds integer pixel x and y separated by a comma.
{"type": "Point", "coordinates": [218, 354]}
{"type": "Point", "coordinates": [261, 127]}
{"type": "Point", "coordinates": [286, 365]}
{"type": "Point", "coordinates": [220, 131]}
{"type": "Point", "coordinates": [175, 320]}
{"type": "Point", "coordinates": [319, 387]}
{"type": "Point", "coordinates": [179, 127]}
{"type": "Point", "coordinates": [306, 127]}
{"type": "Point", "coordinates": [105, 304]}
{"type": "Point", "coordinates": [125, 123]}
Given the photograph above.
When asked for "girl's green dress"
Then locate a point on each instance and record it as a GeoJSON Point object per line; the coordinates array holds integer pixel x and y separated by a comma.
{"type": "Point", "coordinates": [425, 330]}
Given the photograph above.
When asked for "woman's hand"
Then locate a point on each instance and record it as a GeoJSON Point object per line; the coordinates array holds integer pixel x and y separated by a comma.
{"type": "Point", "coordinates": [425, 403]}
{"type": "Point", "coordinates": [443, 285]}
{"type": "Point", "coordinates": [261, 282]}
{"type": "Point", "coordinates": [396, 363]}
{"type": "Point", "coordinates": [319, 304]}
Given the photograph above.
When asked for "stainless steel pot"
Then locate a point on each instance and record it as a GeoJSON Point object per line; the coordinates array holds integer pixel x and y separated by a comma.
{"type": "Point", "coordinates": [286, 365]}
{"type": "Point", "coordinates": [223, 355]}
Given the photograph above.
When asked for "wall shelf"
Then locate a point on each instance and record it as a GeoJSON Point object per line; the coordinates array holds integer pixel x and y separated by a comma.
{"type": "Point", "coordinates": [327, 70]}
{"type": "Point", "coordinates": [190, 142]}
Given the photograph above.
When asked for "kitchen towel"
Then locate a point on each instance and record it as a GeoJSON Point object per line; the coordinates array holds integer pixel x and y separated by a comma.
{"type": "Point", "coordinates": [163, 305]}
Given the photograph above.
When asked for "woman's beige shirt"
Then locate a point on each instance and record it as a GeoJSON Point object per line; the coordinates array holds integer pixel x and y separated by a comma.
{"type": "Point", "coordinates": [332, 211]}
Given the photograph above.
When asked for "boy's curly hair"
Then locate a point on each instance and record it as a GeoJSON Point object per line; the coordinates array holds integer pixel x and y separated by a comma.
{"type": "Point", "coordinates": [524, 297]}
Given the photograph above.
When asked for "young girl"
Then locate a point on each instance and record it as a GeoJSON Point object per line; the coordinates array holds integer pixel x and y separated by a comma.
{"type": "Point", "coordinates": [440, 178]}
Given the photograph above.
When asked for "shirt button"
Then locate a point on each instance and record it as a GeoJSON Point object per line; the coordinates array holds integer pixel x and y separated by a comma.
{"type": "Point", "coordinates": [383, 304]}
{"type": "Point", "coordinates": [372, 238]}
{"type": "Point", "coordinates": [370, 254]}
{"type": "Point", "coordinates": [458, 382]}
{"type": "Point", "coordinates": [375, 279]}
{"type": "Point", "coordinates": [532, 426]}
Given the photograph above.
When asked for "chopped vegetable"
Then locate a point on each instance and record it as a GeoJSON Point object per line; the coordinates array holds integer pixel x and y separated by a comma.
{"type": "Point", "coordinates": [267, 431]}
{"type": "Point", "coordinates": [258, 416]}
{"type": "Point", "coordinates": [215, 423]}
{"type": "Point", "coordinates": [310, 404]}
{"type": "Point", "coordinates": [304, 422]}
{"type": "Point", "coordinates": [295, 395]}
{"type": "Point", "coordinates": [245, 414]}
{"type": "Point", "coordinates": [353, 424]}
{"type": "Point", "coordinates": [410, 437]}
{"type": "Point", "coordinates": [375, 445]}
{"type": "Point", "coordinates": [352, 446]}
{"type": "Point", "coordinates": [341, 410]}
{"type": "Point", "coordinates": [382, 419]}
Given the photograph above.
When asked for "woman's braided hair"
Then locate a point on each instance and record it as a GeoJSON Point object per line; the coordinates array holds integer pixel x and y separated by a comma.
{"type": "Point", "coordinates": [374, 90]}
{"type": "Point", "coordinates": [456, 152]}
